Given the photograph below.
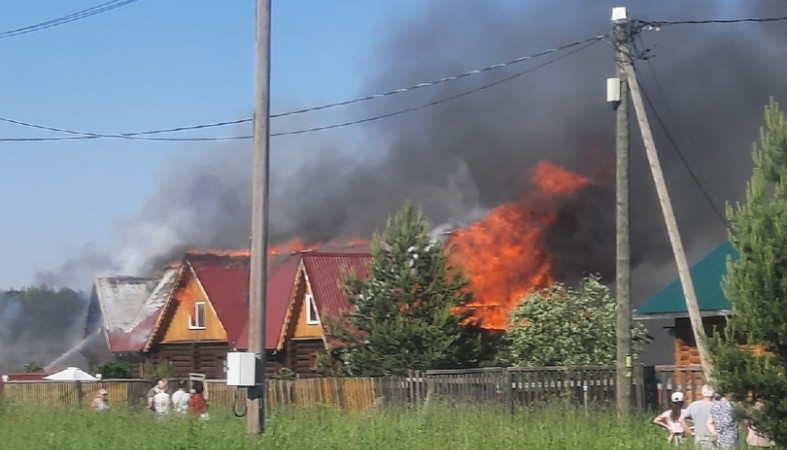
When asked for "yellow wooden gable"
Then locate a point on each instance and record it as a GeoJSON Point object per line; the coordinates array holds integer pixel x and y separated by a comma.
{"type": "Point", "coordinates": [190, 316]}
{"type": "Point", "coordinates": [303, 321]}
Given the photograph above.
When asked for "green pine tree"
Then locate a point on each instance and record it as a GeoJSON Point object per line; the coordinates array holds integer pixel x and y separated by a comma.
{"type": "Point", "coordinates": [404, 316]}
{"type": "Point", "coordinates": [756, 285]}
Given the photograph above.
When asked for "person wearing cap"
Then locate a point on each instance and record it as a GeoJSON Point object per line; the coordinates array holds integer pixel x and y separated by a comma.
{"type": "Point", "coordinates": [101, 402]}
{"type": "Point", "coordinates": [674, 419]}
{"type": "Point", "coordinates": [698, 412]}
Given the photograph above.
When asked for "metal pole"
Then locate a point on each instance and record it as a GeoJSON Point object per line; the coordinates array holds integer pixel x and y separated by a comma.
{"type": "Point", "coordinates": [672, 224]}
{"type": "Point", "coordinates": [623, 259]}
{"type": "Point", "coordinates": [255, 419]}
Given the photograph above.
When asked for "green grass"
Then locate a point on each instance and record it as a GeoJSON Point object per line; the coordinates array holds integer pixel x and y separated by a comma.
{"type": "Point", "coordinates": [27, 427]}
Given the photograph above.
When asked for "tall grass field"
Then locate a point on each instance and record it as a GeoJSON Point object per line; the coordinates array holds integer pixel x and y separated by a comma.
{"type": "Point", "coordinates": [441, 427]}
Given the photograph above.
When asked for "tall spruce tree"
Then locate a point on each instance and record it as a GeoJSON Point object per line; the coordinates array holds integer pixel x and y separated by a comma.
{"type": "Point", "coordinates": [756, 285]}
{"type": "Point", "coordinates": [404, 316]}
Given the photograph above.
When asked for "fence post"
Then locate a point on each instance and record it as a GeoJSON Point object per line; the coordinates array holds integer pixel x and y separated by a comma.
{"type": "Point", "coordinates": [429, 390]}
{"type": "Point", "coordinates": [639, 389]}
{"type": "Point", "coordinates": [509, 377]}
{"type": "Point", "coordinates": [585, 395]}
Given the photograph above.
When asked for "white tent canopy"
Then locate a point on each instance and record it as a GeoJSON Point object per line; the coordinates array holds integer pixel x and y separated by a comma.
{"type": "Point", "coordinates": [71, 374]}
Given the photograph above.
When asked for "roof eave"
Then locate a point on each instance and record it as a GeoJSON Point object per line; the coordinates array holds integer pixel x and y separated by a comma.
{"type": "Point", "coordinates": [682, 314]}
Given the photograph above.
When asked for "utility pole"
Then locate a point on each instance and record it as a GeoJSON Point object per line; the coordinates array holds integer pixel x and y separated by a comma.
{"type": "Point", "coordinates": [669, 219]}
{"type": "Point", "coordinates": [255, 415]}
{"type": "Point", "coordinates": [622, 259]}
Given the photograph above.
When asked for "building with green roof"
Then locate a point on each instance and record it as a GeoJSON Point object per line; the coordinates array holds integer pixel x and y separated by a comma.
{"type": "Point", "coordinates": [670, 303]}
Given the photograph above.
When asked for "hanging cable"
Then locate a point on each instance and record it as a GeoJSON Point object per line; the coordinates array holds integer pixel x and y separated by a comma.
{"type": "Point", "coordinates": [144, 136]}
{"type": "Point", "coordinates": [663, 23]}
{"type": "Point", "coordinates": [682, 157]}
{"type": "Point", "coordinates": [239, 408]}
{"type": "Point", "coordinates": [83, 14]}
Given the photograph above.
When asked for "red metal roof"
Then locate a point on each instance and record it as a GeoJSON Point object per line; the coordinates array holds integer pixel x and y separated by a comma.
{"type": "Point", "coordinates": [277, 298]}
{"type": "Point", "coordinates": [326, 273]}
{"type": "Point", "coordinates": [135, 340]}
{"type": "Point", "coordinates": [225, 279]}
{"type": "Point", "coordinates": [32, 376]}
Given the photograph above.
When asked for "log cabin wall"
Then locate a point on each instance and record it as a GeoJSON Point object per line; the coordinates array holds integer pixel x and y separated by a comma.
{"type": "Point", "coordinates": [186, 357]}
{"type": "Point", "coordinates": [302, 356]}
{"type": "Point", "coordinates": [204, 357]}
{"type": "Point", "coordinates": [686, 353]}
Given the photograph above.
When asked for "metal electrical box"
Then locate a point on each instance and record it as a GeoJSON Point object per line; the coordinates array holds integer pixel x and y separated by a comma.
{"type": "Point", "coordinates": [613, 90]}
{"type": "Point", "coordinates": [240, 368]}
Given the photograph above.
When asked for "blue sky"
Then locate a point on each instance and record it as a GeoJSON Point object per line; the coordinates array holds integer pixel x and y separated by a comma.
{"type": "Point", "coordinates": [151, 64]}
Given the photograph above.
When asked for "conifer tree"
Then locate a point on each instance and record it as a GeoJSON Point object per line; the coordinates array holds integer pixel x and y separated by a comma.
{"type": "Point", "coordinates": [405, 314]}
{"type": "Point", "coordinates": [756, 285]}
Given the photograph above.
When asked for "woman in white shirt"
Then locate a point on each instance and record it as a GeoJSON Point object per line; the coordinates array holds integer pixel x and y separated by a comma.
{"type": "Point", "coordinates": [180, 398]}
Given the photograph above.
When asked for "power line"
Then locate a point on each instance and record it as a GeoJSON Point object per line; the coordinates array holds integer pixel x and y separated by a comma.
{"type": "Point", "coordinates": [443, 100]}
{"type": "Point", "coordinates": [442, 80]}
{"type": "Point", "coordinates": [85, 13]}
{"type": "Point", "coordinates": [682, 157]}
{"type": "Point", "coordinates": [144, 135]}
{"type": "Point", "coordinates": [137, 135]}
{"type": "Point", "coordinates": [663, 23]}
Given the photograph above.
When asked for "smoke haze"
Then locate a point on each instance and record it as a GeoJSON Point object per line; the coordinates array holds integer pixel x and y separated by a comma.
{"type": "Point", "coordinates": [466, 156]}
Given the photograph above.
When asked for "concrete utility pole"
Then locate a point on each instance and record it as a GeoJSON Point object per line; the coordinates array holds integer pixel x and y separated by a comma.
{"type": "Point", "coordinates": [255, 418]}
{"type": "Point", "coordinates": [669, 219]}
{"type": "Point", "coordinates": [623, 259]}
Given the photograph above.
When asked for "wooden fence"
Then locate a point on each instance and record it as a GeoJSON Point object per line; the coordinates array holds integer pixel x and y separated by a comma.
{"type": "Point", "coordinates": [508, 388]}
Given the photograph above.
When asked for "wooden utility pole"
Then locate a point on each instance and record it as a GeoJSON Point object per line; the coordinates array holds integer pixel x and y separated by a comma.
{"type": "Point", "coordinates": [669, 219]}
{"type": "Point", "coordinates": [623, 259]}
{"type": "Point", "coordinates": [255, 418]}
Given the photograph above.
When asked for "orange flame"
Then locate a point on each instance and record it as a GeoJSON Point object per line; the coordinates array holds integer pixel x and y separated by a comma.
{"type": "Point", "coordinates": [356, 242]}
{"type": "Point", "coordinates": [502, 255]}
{"type": "Point", "coordinates": [232, 253]}
{"type": "Point", "coordinates": [291, 246]}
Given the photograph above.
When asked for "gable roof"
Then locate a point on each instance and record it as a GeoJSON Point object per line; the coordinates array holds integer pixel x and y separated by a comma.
{"type": "Point", "coordinates": [326, 272]}
{"type": "Point", "coordinates": [707, 275]}
{"type": "Point", "coordinates": [224, 278]}
{"type": "Point", "coordinates": [120, 298]}
{"type": "Point", "coordinates": [277, 296]}
{"type": "Point", "coordinates": [134, 335]}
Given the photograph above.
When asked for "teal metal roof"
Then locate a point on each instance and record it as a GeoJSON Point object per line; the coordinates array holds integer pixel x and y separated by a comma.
{"type": "Point", "coordinates": [707, 276]}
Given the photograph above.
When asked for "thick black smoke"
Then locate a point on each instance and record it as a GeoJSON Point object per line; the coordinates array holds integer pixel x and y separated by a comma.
{"type": "Point", "coordinates": [466, 156]}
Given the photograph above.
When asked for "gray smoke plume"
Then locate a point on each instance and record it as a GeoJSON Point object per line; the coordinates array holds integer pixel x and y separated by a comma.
{"type": "Point", "coordinates": [463, 157]}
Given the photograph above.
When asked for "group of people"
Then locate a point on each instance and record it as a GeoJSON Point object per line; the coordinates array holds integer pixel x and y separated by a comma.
{"type": "Point", "coordinates": [162, 403]}
{"type": "Point", "coordinates": [181, 401]}
{"type": "Point", "coordinates": [713, 422]}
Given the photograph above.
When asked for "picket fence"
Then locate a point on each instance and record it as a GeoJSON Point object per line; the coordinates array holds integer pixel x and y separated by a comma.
{"type": "Point", "coordinates": [508, 388]}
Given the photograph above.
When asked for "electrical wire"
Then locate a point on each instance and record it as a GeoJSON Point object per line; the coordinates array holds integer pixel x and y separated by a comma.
{"type": "Point", "coordinates": [682, 157]}
{"type": "Point", "coordinates": [443, 100]}
{"type": "Point", "coordinates": [83, 14]}
{"type": "Point", "coordinates": [663, 94]}
{"type": "Point", "coordinates": [444, 79]}
{"type": "Point", "coordinates": [663, 23]}
{"type": "Point", "coordinates": [144, 135]}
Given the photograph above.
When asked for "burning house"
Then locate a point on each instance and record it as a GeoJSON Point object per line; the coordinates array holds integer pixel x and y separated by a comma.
{"type": "Point", "coordinates": [122, 311]}
{"type": "Point", "coordinates": [504, 255]}
{"type": "Point", "coordinates": [197, 312]}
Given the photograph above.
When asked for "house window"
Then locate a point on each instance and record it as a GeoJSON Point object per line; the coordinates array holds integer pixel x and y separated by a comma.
{"type": "Point", "coordinates": [311, 311]}
{"type": "Point", "coordinates": [197, 319]}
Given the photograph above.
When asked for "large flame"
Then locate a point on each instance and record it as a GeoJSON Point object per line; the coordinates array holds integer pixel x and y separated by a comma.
{"type": "Point", "coordinates": [502, 255]}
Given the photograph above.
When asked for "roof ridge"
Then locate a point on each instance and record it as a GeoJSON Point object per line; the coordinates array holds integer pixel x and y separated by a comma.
{"type": "Point", "coordinates": [337, 253]}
